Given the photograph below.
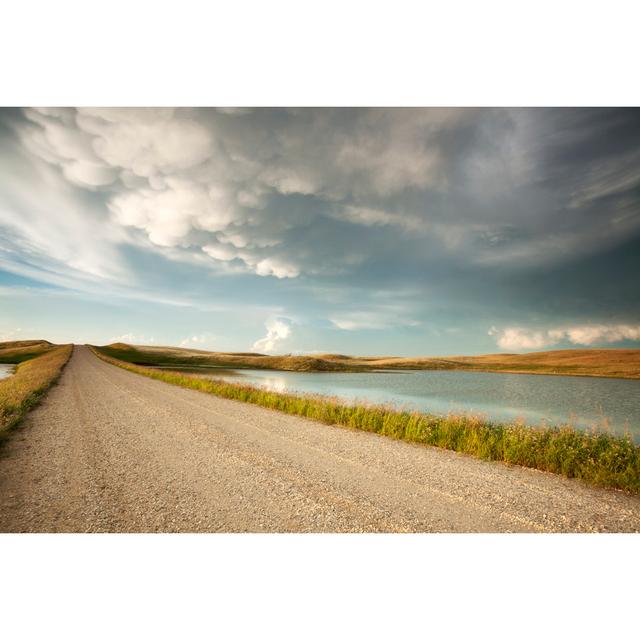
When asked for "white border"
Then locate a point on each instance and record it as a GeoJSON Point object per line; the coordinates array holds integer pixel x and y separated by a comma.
{"type": "Point", "coordinates": [284, 52]}
{"type": "Point", "coordinates": [330, 53]}
{"type": "Point", "coordinates": [319, 586]}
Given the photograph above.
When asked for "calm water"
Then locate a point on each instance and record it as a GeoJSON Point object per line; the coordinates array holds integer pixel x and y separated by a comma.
{"type": "Point", "coordinates": [6, 370]}
{"type": "Point", "coordinates": [583, 402]}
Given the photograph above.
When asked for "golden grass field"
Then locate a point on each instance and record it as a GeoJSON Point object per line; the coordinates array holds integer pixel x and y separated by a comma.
{"type": "Point", "coordinates": [39, 363]}
{"type": "Point", "coordinates": [613, 363]}
{"type": "Point", "coordinates": [15, 352]}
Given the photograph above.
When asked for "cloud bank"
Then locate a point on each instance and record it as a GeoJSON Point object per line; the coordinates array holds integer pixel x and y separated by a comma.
{"type": "Point", "coordinates": [518, 338]}
{"type": "Point", "coordinates": [262, 191]}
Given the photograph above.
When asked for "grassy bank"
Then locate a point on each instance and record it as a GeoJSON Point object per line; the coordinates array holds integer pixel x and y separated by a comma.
{"type": "Point", "coordinates": [611, 363]}
{"type": "Point", "coordinates": [596, 457]}
{"type": "Point", "coordinates": [33, 376]}
{"type": "Point", "coordinates": [16, 352]}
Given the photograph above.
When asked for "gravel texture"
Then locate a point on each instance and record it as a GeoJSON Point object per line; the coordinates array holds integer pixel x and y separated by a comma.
{"type": "Point", "coordinates": [110, 451]}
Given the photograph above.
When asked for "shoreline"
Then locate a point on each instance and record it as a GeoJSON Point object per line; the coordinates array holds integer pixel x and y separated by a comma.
{"type": "Point", "coordinates": [595, 456]}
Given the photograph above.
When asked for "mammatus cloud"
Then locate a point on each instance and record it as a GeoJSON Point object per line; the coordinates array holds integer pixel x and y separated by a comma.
{"type": "Point", "coordinates": [264, 267]}
{"type": "Point", "coordinates": [517, 338]}
{"type": "Point", "coordinates": [274, 191]}
{"type": "Point", "coordinates": [278, 330]}
{"type": "Point", "coordinates": [202, 180]}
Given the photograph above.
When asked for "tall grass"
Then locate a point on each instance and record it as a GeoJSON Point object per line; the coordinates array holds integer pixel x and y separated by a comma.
{"type": "Point", "coordinates": [21, 391]}
{"type": "Point", "coordinates": [593, 456]}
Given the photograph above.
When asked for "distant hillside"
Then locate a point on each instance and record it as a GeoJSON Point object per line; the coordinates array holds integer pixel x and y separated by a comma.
{"type": "Point", "coordinates": [20, 350]}
{"type": "Point", "coordinates": [615, 363]}
{"type": "Point", "coordinates": [194, 358]}
{"type": "Point", "coordinates": [23, 344]}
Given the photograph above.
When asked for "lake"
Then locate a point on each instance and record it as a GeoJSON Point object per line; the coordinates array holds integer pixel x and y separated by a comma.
{"type": "Point", "coordinates": [533, 399]}
{"type": "Point", "coordinates": [6, 370]}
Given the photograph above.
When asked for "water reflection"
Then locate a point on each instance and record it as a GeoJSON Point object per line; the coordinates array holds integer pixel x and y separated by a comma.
{"type": "Point", "coordinates": [274, 384]}
{"type": "Point", "coordinates": [531, 399]}
{"type": "Point", "coordinates": [6, 370]}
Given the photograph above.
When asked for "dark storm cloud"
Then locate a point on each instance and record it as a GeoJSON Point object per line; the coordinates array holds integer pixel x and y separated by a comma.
{"type": "Point", "coordinates": [510, 214]}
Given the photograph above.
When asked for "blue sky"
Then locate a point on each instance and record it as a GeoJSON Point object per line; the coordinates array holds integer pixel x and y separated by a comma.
{"type": "Point", "coordinates": [362, 231]}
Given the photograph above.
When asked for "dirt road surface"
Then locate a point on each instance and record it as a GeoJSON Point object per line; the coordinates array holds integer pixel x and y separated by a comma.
{"type": "Point", "coordinates": [112, 451]}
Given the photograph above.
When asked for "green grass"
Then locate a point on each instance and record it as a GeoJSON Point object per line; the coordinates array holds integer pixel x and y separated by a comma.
{"type": "Point", "coordinates": [24, 389]}
{"type": "Point", "coordinates": [594, 456]}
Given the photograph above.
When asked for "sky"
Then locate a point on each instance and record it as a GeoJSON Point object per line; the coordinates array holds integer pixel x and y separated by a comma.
{"type": "Point", "coordinates": [359, 231]}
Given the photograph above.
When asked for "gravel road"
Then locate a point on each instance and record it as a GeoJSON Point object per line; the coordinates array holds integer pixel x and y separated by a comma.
{"type": "Point", "coordinates": [109, 450]}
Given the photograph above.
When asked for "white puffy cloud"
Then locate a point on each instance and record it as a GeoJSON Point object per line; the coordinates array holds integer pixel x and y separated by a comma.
{"type": "Point", "coordinates": [147, 142]}
{"type": "Point", "coordinates": [262, 267]}
{"type": "Point", "coordinates": [102, 144]}
{"type": "Point", "coordinates": [277, 268]}
{"type": "Point", "coordinates": [594, 334]}
{"type": "Point", "coordinates": [58, 141]}
{"type": "Point", "coordinates": [132, 338]}
{"type": "Point", "coordinates": [278, 330]}
{"type": "Point", "coordinates": [169, 215]}
{"type": "Point", "coordinates": [519, 338]}
{"type": "Point", "coordinates": [223, 252]}
{"type": "Point", "coordinates": [198, 341]}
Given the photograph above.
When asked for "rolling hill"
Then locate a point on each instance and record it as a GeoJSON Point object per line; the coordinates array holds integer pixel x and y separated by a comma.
{"type": "Point", "coordinates": [615, 363]}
